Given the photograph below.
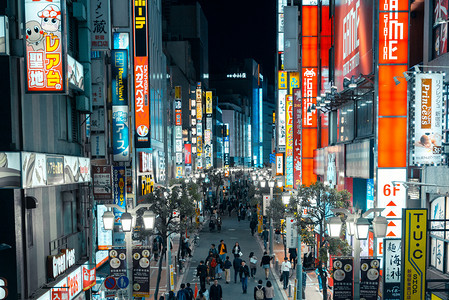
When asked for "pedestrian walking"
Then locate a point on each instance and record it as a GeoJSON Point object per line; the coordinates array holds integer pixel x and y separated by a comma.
{"type": "Point", "coordinates": [213, 249]}
{"type": "Point", "coordinates": [249, 214]}
{"type": "Point", "coordinates": [215, 291]}
{"type": "Point", "coordinates": [229, 209]}
{"type": "Point", "coordinates": [189, 291]}
{"type": "Point", "coordinates": [236, 264]}
{"type": "Point", "coordinates": [264, 236]}
{"type": "Point", "coordinates": [201, 296]}
{"type": "Point", "coordinates": [211, 263]}
{"type": "Point", "coordinates": [227, 268]}
{"type": "Point", "coordinates": [181, 295]}
{"type": "Point", "coordinates": [236, 250]}
{"type": "Point", "coordinates": [259, 291]}
{"type": "Point", "coordinates": [239, 214]}
{"type": "Point", "coordinates": [222, 250]}
{"type": "Point", "coordinates": [253, 264]}
{"type": "Point", "coordinates": [219, 268]}
{"type": "Point", "coordinates": [171, 296]}
{"type": "Point", "coordinates": [201, 272]}
{"type": "Point", "coordinates": [285, 272]}
{"type": "Point", "coordinates": [244, 274]}
{"type": "Point", "coordinates": [269, 291]}
{"type": "Point", "coordinates": [253, 225]}
{"type": "Point", "coordinates": [265, 263]}
{"type": "Point", "coordinates": [317, 272]}
{"type": "Point", "coordinates": [293, 256]}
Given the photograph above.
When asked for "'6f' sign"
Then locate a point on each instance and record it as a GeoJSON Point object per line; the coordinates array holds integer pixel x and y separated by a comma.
{"type": "Point", "coordinates": [391, 190]}
{"type": "Point", "coordinates": [3, 288]}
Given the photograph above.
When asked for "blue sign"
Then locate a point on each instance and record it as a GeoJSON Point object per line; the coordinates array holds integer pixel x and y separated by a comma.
{"type": "Point", "coordinates": [272, 158]}
{"type": "Point", "coordinates": [119, 69]}
{"type": "Point", "coordinates": [289, 171]}
{"type": "Point", "coordinates": [370, 193]}
{"type": "Point", "coordinates": [122, 282]}
{"type": "Point", "coordinates": [120, 133]}
{"type": "Point", "coordinates": [110, 283]}
{"type": "Point", "coordinates": [119, 190]}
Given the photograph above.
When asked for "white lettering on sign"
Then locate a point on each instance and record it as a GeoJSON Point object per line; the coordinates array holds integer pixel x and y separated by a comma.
{"type": "Point", "coordinates": [146, 162]}
{"type": "Point", "coordinates": [60, 263]}
{"type": "Point", "coordinates": [308, 91]}
{"type": "Point", "coordinates": [3, 288]}
{"type": "Point", "coordinates": [350, 30]}
{"type": "Point", "coordinates": [393, 30]}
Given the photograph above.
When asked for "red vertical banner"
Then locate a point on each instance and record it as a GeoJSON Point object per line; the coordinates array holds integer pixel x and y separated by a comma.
{"type": "Point", "coordinates": [297, 138]}
{"type": "Point", "coordinates": [309, 91]}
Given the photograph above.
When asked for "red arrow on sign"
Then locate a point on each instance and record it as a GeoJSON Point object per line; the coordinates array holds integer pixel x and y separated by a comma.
{"type": "Point", "coordinates": [391, 204]}
{"type": "Point", "coordinates": [391, 214]}
{"type": "Point", "coordinates": [391, 224]}
{"type": "Point", "coordinates": [391, 234]}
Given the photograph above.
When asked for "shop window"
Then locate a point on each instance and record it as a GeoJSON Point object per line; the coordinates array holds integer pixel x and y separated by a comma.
{"type": "Point", "coordinates": [29, 226]}
{"type": "Point", "coordinates": [345, 123]}
{"type": "Point", "coordinates": [365, 116]}
{"type": "Point", "coordinates": [439, 240]}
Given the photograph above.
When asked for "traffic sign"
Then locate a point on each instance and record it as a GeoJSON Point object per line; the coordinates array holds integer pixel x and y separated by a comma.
{"type": "Point", "coordinates": [110, 283]}
{"type": "Point", "coordinates": [123, 282]}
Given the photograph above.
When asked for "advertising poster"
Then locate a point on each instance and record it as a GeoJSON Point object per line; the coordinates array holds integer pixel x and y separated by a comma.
{"type": "Point", "coordinates": [76, 169]}
{"type": "Point", "coordinates": [34, 170]}
{"type": "Point", "coordinates": [117, 262]}
{"type": "Point", "coordinates": [414, 248]}
{"type": "Point", "coordinates": [296, 138]}
{"type": "Point", "coordinates": [119, 69]}
{"type": "Point", "coordinates": [353, 39]}
{"type": "Point", "coordinates": [369, 278]}
{"type": "Point", "coordinates": [343, 276]}
{"type": "Point", "coordinates": [102, 178]}
{"type": "Point", "coordinates": [101, 25]}
{"type": "Point", "coordinates": [45, 50]}
{"type": "Point", "coordinates": [141, 272]}
{"type": "Point", "coordinates": [428, 118]}
{"type": "Point", "coordinates": [104, 237]}
{"type": "Point", "coordinates": [120, 133]}
{"type": "Point", "coordinates": [392, 269]}
{"type": "Point", "coordinates": [279, 164]}
{"type": "Point", "coordinates": [282, 126]}
{"type": "Point", "coordinates": [89, 278]}
{"type": "Point", "coordinates": [119, 191]}
{"type": "Point", "coordinates": [188, 154]}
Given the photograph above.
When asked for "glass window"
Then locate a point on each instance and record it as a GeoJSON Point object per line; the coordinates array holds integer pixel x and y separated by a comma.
{"type": "Point", "coordinates": [345, 123]}
{"type": "Point", "coordinates": [365, 116]}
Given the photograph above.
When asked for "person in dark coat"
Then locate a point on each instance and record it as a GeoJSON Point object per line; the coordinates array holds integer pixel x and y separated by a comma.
{"type": "Point", "coordinates": [215, 291]}
{"type": "Point", "coordinates": [236, 264]}
{"type": "Point", "coordinates": [201, 272]}
{"type": "Point", "coordinates": [253, 225]}
{"type": "Point", "coordinates": [259, 287]}
{"type": "Point", "coordinates": [244, 274]}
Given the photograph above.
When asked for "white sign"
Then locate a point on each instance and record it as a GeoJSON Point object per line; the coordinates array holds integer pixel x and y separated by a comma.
{"type": "Point", "coordinates": [101, 25]}
{"type": "Point", "coordinates": [292, 232]}
{"type": "Point", "coordinates": [281, 116]}
{"type": "Point", "coordinates": [393, 263]}
{"type": "Point", "coordinates": [266, 204]}
{"type": "Point", "coordinates": [104, 236]}
{"type": "Point", "coordinates": [428, 118]}
{"type": "Point", "coordinates": [58, 264]}
{"type": "Point", "coordinates": [392, 197]}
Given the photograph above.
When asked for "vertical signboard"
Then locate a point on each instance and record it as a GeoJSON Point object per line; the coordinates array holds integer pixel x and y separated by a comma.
{"type": "Point", "coordinates": [297, 121]}
{"type": "Point", "coordinates": [289, 142]}
{"type": "Point", "coordinates": [119, 192]}
{"type": "Point", "coordinates": [392, 269]}
{"type": "Point", "coordinates": [208, 149]}
{"type": "Point", "coordinates": [414, 253]}
{"type": "Point", "coordinates": [141, 272]}
{"type": "Point", "coordinates": [343, 277]}
{"type": "Point", "coordinates": [178, 131]}
{"type": "Point", "coordinates": [392, 111]}
{"type": "Point", "coordinates": [428, 118]}
{"type": "Point", "coordinates": [369, 278]}
{"type": "Point", "coordinates": [119, 70]}
{"type": "Point", "coordinates": [117, 262]}
{"type": "Point", "coordinates": [120, 133]}
{"type": "Point", "coordinates": [199, 127]}
{"type": "Point", "coordinates": [282, 92]}
{"type": "Point", "coordinates": [45, 48]}
{"type": "Point", "coordinates": [101, 25]}
{"type": "Point", "coordinates": [292, 232]}
{"type": "Point", "coordinates": [141, 80]}
{"type": "Point", "coordinates": [279, 164]}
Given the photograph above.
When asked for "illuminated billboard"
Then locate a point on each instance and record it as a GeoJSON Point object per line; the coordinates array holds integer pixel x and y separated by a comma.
{"type": "Point", "coordinates": [289, 144]}
{"type": "Point", "coordinates": [353, 39]}
{"type": "Point", "coordinates": [45, 48]}
{"type": "Point", "coordinates": [141, 80]}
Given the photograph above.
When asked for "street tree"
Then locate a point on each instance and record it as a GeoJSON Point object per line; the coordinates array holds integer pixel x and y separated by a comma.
{"type": "Point", "coordinates": [164, 202]}
{"type": "Point", "coordinates": [312, 206]}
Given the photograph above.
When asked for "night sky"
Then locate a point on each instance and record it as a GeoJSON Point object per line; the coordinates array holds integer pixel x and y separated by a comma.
{"type": "Point", "coordinates": [242, 29]}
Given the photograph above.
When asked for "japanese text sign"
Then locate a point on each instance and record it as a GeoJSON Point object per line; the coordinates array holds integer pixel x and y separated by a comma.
{"type": "Point", "coordinates": [45, 50]}
{"type": "Point", "coordinates": [392, 269]}
{"type": "Point", "coordinates": [120, 133]}
{"type": "Point", "coordinates": [101, 24]}
{"type": "Point", "coordinates": [119, 68]}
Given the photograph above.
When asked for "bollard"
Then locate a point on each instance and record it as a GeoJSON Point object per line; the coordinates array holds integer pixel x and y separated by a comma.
{"type": "Point", "coordinates": [289, 290]}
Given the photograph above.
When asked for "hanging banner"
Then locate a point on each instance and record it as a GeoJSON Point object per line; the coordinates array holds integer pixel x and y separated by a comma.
{"type": "Point", "coordinates": [119, 192]}
{"type": "Point", "coordinates": [296, 138]}
{"type": "Point", "coordinates": [120, 133]}
{"type": "Point", "coordinates": [45, 48]}
{"type": "Point", "coordinates": [279, 164]}
{"type": "Point", "coordinates": [392, 269]}
{"type": "Point", "coordinates": [141, 272]}
{"type": "Point", "coordinates": [428, 118]}
{"type": "Point", "coordinates": [289, 142]}
{"type": "Point", "coordinates": [117, 261]}
{"type": "Point", "coordinates": [369, 278]}
{"type": "Point", "coordinates": [188, 154]}
{"type": "Point", "coordinates": [209, 102]}
{"type": "Point", "coordinates": [343, 276]}
{"type": "Point", "coordinates": [119, 70]}
{"type": "Point", "coordinates": [281, 120]}
{"type": "Point", "coordinates": [89, 278]}
{"type": "Point", "coordinates": [141, 80]}
{"type": "Point", "coordinates": [414, 244]}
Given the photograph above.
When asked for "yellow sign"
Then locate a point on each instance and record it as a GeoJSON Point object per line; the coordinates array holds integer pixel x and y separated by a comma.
{"type": "Point", "coordinates": [199, 105]}
{"type": "Point", "coordinates": [177, 92]}
{"type": "Point", "coordinates": [293, 82]}
{"type": "Point", "coordinates": [259, 219]}
{"type": "Point", "coordinates": [172, 279]}
{"type": "Point", "coordinates": [414, 233]}
{"type": "Point", "coordinates": [282, 80]}
{"type": "Point", "coordinates": [435, 297]}
{"type": "Point", "coordinates": [208, 102]}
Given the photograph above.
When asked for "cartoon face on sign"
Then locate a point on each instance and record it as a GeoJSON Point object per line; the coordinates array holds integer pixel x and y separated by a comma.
{"type": "Point", "coordinates": [50, 18]}
{"type": "Point", "coordinates": [34, 35]}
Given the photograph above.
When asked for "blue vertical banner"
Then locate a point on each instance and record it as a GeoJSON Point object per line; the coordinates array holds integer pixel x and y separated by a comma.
{"type": "Point", "coordinates": [119, 70]}
{"type": "Point", "coordinates": [120, 133]}
{"type": "Point", "coordinates": [119, 180]}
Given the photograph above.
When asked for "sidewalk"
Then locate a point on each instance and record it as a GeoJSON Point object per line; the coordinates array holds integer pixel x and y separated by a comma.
{"type": "Point", "coordinates": [312, 288]}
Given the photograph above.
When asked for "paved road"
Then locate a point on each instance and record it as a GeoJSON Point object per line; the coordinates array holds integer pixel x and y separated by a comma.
{"type": "Point", "coordinates": [232, 231]}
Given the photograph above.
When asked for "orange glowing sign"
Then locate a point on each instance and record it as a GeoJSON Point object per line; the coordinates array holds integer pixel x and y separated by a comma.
{"type": "Point", "coordinates": [393, 37]}
{"type": "Point", "coordinates": [309, 93]}
{"type": "Point", "coordinates": [45, 57]}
